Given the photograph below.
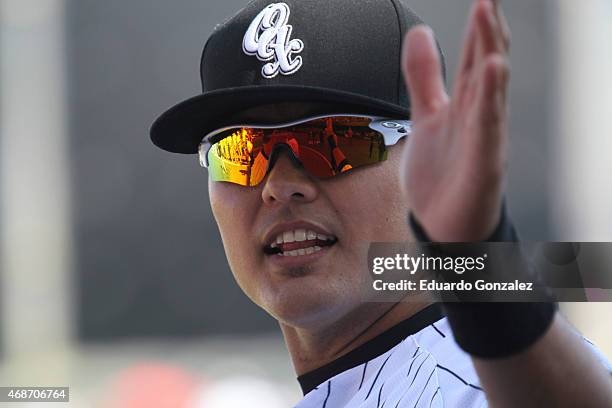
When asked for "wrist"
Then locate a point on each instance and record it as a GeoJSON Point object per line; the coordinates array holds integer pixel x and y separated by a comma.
{"type": "Point", "coordinates": [495, 329]}
{"type": "Point", "coordinates": [504, 230]}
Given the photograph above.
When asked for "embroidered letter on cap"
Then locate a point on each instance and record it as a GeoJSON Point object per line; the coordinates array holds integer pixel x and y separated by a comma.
{"type": "Point", "coordinates": [269, 38]}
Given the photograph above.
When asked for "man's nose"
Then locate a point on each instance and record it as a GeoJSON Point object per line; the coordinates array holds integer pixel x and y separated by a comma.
{"type": "Point", "coordinates": [287, 181]}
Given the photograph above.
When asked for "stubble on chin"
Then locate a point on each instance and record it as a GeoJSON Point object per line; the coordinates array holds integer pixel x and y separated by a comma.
{"type": "Point", "coordinates": [299, 271]}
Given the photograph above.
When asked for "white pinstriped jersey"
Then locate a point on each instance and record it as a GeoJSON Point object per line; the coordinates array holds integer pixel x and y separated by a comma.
{"type": "Point", "coordinates": [426, 369]}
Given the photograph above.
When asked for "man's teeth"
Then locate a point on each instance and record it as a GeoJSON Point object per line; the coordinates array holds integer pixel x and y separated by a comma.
{"type": "Point", "coordinates": [298, 235]}
{"type": "Point", "coordinates": [303, 251]}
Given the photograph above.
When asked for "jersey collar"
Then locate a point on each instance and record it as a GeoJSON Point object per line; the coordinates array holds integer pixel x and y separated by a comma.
{"type": "Point", "coordinates": [373, 348]}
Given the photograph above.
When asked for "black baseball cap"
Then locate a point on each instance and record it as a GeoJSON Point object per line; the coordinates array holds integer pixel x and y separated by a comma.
{"type": "Point", "coordinates": [340, 55]}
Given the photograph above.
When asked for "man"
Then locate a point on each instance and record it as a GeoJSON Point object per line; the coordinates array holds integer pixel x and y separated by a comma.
{"type": "Point", "coordinates": [297, 235]}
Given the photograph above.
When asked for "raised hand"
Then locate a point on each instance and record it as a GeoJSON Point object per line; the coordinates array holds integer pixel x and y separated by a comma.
{"type": "Point", "coordinates": [454, 163]}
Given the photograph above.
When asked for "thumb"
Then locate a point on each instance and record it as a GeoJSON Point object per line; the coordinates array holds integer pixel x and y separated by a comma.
{"type": "Point", "coordinates": [423, 72]}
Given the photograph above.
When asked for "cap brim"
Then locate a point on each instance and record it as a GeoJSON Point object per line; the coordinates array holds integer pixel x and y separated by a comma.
{"type": "Point", "coordinates": [181, 128]}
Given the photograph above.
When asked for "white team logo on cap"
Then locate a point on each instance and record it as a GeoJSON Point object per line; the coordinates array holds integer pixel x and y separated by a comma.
{"type": "Point", "coordinates": [269, 38]}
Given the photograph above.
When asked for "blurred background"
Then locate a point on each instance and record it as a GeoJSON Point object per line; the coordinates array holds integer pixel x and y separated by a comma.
{"type": "Point", "coordinates": [112, 273]}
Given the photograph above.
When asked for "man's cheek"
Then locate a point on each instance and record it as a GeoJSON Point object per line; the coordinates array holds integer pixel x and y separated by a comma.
{"type": "Point", "coordinates": [216, 202]}
{"type": "Point", "coordinates": [231, 207]}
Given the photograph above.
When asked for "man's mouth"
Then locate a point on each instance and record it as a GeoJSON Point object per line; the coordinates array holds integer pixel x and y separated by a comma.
{"type": "Point", "coordinates": [299, 242]}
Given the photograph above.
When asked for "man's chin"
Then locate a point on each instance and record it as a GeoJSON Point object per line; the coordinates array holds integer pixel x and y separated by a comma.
{"type": "Point", "coordinates": [306, 302]}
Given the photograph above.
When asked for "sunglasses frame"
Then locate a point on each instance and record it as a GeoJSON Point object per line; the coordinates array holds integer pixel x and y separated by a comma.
{"type": "Point", "coordinates": [392, 129]}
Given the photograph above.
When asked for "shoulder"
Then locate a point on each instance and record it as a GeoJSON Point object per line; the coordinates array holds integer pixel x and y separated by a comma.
{"type": "Point", "coordinates": [425, 369]}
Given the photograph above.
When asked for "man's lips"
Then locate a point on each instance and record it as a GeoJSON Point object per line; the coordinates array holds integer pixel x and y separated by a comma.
{"type": "Point", "coordinates": [288, 248]}
{"type": "Point", "coordinates": [297, 238]}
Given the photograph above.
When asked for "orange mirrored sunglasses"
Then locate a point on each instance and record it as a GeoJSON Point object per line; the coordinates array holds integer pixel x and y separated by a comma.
{"type": "Point", "coordinates": [325, 146]}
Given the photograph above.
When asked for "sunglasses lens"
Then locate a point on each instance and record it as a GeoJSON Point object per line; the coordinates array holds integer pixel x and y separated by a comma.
{"type": "Point", "coordinates": [325, 147]}
{"type": "Point", "coordinates": [237, 158]}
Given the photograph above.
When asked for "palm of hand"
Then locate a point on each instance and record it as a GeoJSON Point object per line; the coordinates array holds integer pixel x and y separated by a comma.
{"type": "Point", "coordinates": [453, 163]}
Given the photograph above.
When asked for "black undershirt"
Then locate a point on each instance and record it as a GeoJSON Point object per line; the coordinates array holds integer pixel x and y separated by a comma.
{"type": "Point", "coordinates": [371, 349]}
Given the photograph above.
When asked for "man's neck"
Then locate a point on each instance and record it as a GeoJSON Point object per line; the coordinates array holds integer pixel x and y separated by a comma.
{"type": "Point", "coordinates": [314, 348]}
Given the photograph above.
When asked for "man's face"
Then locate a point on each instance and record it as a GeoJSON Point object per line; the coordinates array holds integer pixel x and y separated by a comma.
{"type": "Point", "coordinates": [357, 208]}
